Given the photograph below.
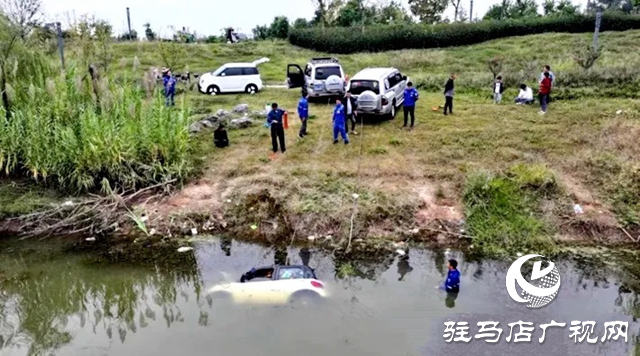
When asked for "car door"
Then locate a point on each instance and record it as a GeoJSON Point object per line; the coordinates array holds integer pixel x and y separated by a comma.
{"type": "Point", "coordinates": [228, 80]}
{"type": "Point", "coordinates": [260, 289]}
{"type": "Point", "coordinates": [289, 279]}
{"type": "Point", "coordinates": [295, 76]}
{"type": "Point", "coordinates": [400, 86]}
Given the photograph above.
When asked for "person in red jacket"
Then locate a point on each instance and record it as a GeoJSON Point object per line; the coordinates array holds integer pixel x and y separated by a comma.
{"type": "Point", "coordinates": [543, 94]}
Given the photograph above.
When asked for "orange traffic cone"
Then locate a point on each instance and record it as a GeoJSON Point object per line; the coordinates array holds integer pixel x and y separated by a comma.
{"type": "Point", "coordinates": [286, 120]}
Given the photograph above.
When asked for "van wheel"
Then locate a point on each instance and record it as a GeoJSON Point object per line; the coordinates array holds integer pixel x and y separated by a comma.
{"type": "Point", "coordinates": [213, 90]}
{"type": "Point", "coordinates": [251, 89]}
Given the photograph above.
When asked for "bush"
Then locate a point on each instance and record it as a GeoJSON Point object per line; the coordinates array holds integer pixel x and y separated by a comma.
{"type": "Point", "coordinates": [60, 135]}
{"type": "Point", "coordinates": [394, 37]}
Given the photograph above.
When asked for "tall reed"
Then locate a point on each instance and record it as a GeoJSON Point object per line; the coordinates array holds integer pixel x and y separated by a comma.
{"type": "Point", "coordinates": [61, 134]}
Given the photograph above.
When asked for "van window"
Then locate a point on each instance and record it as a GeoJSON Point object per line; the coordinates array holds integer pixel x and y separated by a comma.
{"type": "Point", "coordinates": [358, 87]}
{"type": "Point", "coordinates": [261, 274]}
{"type": "Point", "coordinates": [323, 73]}
{"type": "Point", "coordinates": [232, 72]}
{"type": "Point", "coordinates": [290, 273]}
{"type": "Point", "coordinates": [392, 81]}
{"type": "Point", "coordinates": [250, 71]}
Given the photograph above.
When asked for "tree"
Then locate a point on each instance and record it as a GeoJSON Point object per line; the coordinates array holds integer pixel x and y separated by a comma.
{"type": "Point", "coordinates": [301, 23]}
{"type": "Point", "coordinates": [126, 36]}
{"type": "Point", "coordinates": [428, 11]}
{"type": "Point", "coordinates": [512, 10]}
{"type": "Point", "coordinates": [25, 15]}
{"type": "Point", "coordinates": [148, 32]}
{"type": "Point", "coordinates": [326, 12]}
{"type": "Point", "coordinates": [392, 12]}
{"type": "Point", "coordinates": [463, 15]}
{"type": "Point", "coordinates": [279, 28]}
{"type": "Point", "coordinates": [456, 8]}
{"type": "Point", "coordinates": [560, 8]}
{"type": "Point", "coordinates": [355, 12]}
{"type": "Point", "coordinates": [260, 32]}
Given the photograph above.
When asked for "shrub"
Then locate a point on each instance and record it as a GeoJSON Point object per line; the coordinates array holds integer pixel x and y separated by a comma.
{"type": "Point", "coordinates": [61, 135]}
{"type": "Point", "coordinates": [394, 37]}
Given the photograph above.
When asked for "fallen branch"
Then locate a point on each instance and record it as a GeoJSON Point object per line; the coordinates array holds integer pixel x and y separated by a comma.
{"type": "Point", "coordinates": [95, 215]}
{"type": "Point", "coordinates": [626, 233]}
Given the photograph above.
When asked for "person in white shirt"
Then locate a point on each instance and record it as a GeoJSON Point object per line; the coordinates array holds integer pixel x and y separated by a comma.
{"type": "Point", "coordinates": [525, 96]}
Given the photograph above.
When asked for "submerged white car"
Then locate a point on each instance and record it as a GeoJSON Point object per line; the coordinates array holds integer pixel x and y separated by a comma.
{"type": "Point", "coordinates": [273, 285]}
{"type": "Point", "coordinates": [232, 78]}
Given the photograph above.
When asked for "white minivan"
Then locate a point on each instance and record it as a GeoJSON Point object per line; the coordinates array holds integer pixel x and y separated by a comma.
{"type": "Point", "coordinates": [232, 78]}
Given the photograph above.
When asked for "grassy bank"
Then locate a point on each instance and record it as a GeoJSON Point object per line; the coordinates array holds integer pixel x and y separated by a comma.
{"type": "Point", "coordinates": [523, 58]}
{"type": "Point", "coordinates": [538, 168]}
{"type": "Point", "coordinates": [494, 176]}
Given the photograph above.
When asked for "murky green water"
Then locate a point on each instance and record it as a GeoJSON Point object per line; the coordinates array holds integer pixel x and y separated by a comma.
{"type": "Point", "coordinates": [60, 304]}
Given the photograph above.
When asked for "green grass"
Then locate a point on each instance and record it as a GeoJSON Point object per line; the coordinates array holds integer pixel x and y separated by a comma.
{"type": "Point", "coordinates": [523, 56]}
{"type": "Point", "coordinates": [19, 198]}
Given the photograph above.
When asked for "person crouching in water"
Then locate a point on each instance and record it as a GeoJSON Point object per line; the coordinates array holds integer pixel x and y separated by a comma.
{"type": "Point", "coordinates": [220, 138]}
{"type": "Point", "coordinates": [339, 123]}
{"type": "Point", "coordinates": [303, 113]}
{"type": "Point", "coordinates": [274, 118]}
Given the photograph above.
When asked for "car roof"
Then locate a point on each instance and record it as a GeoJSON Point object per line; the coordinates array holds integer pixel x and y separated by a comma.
{"type": "Point", "coordinates": [241, 65]}
{"type": "Point", "coordinates": [286, 266]}
{"type": "Point", "coordinates": [321, 65]}
{"type": "Point", "coordinates": [373, 73]}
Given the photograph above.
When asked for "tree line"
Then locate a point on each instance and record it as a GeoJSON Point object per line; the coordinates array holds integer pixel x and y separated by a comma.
{"type": "Point", "coordinates": [354, 13]}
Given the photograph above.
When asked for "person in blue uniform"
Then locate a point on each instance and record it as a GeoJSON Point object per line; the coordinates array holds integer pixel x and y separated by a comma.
{"type": "Point", "coordinates": [303, 113]}
{"type": "Point", "coordinates": [410, 97]}
{"type": "Point", "coordinates": [274, 119]}
{"type": "Point", "coordinates": [339, 123]}
{"type": "Point", "coordinates": [452, 284]}
{"type": "Point", "coordinates": [169, 88]}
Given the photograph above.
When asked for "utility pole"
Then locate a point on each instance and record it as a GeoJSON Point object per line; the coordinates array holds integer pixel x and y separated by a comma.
{"type": "Point", "coordinates": [597, 31]}
{"type": "Point", "coordinates": [471, 11]}
{"type": "Point", "coordinates": [129, 23]}
{"type": "Point", "coordinates": [58, 28]}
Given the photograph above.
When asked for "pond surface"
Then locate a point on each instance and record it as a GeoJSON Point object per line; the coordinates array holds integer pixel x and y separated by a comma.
{"type": "Point", "coordinates": [55, 303]}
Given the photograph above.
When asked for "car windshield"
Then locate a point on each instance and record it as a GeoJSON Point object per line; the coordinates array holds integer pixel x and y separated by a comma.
{"type": "Point", "coordinates": [323, 73]}
{"type": "Point", "coordinates": [360, 86]}
{"type": "Point", "coordinates": [290, 273]}
{"type": "Point", "coordinates": [219, 70]}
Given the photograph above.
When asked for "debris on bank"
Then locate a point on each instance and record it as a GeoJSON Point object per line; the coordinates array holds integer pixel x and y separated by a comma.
{"type": "Point", "coordinates": [238, 118]}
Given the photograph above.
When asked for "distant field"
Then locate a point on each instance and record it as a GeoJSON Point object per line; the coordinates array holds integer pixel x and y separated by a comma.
{"type": "Point", "coordinates": [523, 60]}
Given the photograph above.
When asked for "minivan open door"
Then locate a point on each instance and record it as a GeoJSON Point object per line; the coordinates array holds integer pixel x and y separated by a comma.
{"type": "Point", "coordinates": [295, 76]}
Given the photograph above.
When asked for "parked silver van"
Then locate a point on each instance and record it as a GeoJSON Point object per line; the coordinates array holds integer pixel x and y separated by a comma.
{"type": "Point", "coordinates": [380, 91]}
{"type": "Point", "coordinates": [322, 77]}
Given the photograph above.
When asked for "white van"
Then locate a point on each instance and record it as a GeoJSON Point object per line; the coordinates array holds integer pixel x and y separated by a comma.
{"type": "Point", "coordinates": [232, 78]}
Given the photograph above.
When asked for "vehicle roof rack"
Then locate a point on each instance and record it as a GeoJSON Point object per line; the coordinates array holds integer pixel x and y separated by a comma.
{"type": "Point", "coordinates": [324, 60]}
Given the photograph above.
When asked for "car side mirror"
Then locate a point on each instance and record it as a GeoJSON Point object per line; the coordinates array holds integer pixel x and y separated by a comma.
{"type": "Point", "coordinates": [223, 74]}
{"type": "Point", "coordinates": [404, 77]}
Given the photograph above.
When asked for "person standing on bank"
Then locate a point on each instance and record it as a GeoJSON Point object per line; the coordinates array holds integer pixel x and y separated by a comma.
{"type": "Point", "coordinates": [169, 88]}
{"type": "Point", "coordinates": [350, 105]}
{"type": "Point", "coordinates": [410, 97]}
{"type": "Point", "coordinates": [303, 113]}
{"type": "Point", "coordinates": [545, 90]}
{"type": "Point", "coordinates": [339, 123]}
{"type": "Point", "coordinates": [449, 91]}
{"type": "Point", "coordinates": [274, 118]}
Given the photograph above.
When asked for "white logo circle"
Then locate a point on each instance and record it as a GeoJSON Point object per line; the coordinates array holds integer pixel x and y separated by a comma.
{"type": "Point", "coordinates": [544, 289]}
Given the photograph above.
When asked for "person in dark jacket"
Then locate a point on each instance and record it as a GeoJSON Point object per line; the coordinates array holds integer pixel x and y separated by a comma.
{"type": "Point", "coordinates": [452, 284]}
{"type": "Point", "coordinates": [350, 105]}
{"type": "Point", "coordinates": [303, 113]}
{"type": "Point", "coordinates": [274, 119]}
{"type": "Point", "coordinates": [410, 97]}
{"type": "Point", "coordinates": [220, 138]}
{"type": "Point", "coordinates": [449, 91]}
{"type": "Point", "coordinates": [169, 88]}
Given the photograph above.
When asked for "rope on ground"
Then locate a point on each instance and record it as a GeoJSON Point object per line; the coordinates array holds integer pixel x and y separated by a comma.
{"type": "Point", "coordinates": [357, 190]}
